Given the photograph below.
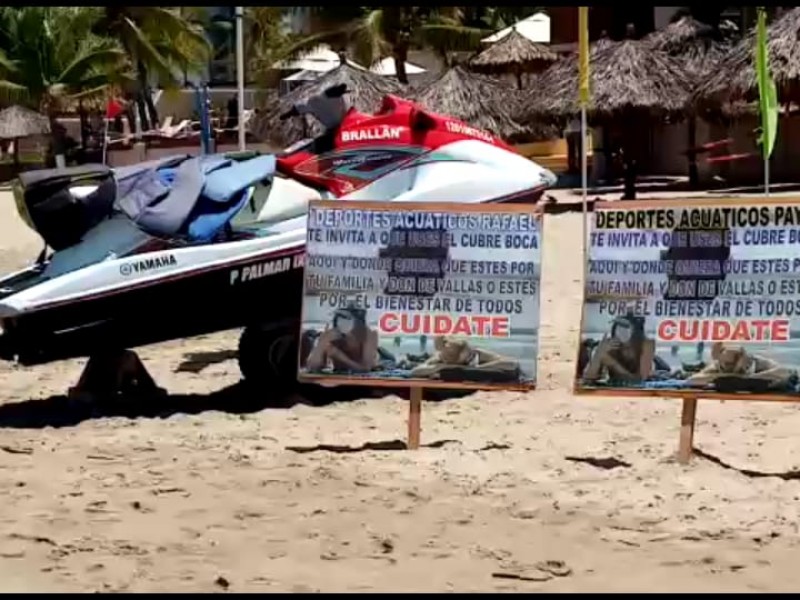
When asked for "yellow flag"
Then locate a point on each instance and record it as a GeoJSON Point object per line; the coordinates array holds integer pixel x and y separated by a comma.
{"type": "Point", "coordinates": [583, 55]}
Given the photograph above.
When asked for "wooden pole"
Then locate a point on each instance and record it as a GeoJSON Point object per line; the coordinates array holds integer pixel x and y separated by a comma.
{"type": "Point", "coordinates": [414, 415]}
{"type": "Point", "coordinates": [688, 416]}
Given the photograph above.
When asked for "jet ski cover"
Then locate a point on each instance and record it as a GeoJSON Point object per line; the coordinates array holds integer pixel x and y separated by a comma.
{"type": "Point", "coordinates": [45, 203]}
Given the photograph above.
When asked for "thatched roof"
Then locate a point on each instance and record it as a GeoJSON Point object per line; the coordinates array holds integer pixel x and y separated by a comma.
{"type": "Point", "coordinates": [735, 76]}
{"type": "Point", "coordinates": [513, 51]}
{"type": "Point", "coordinates": [477, 100]}
{"type": "Point", "coordinates": [18, 122]}
{"type": "Point", "coordinates": [625, 76]}
{"type": "Point", "coordinates": [366, 93]}
{"type": "Point", "coordinates": [698, 47]}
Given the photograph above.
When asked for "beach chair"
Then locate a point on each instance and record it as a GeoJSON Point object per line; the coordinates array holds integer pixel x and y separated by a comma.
{"type": "Point", "coordinates": [247, 115]}
{"type": "Point", "coordinates": [176, 130]}
{"type": "Point", "coordinates": [167, 129]}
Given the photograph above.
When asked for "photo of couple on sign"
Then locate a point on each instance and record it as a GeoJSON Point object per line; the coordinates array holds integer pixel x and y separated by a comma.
{"type": "Point", "coordinates": [703, 303]}
{"type": "Point", "coordinates": [351, 346]}
{"type": "Point", "coordinates": [627, 357]}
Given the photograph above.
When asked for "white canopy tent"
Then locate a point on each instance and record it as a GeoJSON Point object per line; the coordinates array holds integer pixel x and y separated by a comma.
{"type": "Point", "coordinates": [536, 28]}
{"type": "Point", "coordinates": [290, 82]}
{"type": "Point", "coordinates": [319, 60]}
{"type": "Point", "coordinates": [386, 67]}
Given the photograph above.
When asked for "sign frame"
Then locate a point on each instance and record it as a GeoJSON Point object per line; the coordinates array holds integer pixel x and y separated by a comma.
{"type": "Point", "coordinates": [451, 207]}
{"type": "Point", "coordinates": [689, 395]}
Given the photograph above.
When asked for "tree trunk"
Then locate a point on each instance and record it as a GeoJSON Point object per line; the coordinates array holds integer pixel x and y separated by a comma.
{"type": "Point", "coordinates": [151, 107]}
{"type": "Point", "coordinates": [608, 155]}
{"type": "Point", "coordinates": [152, 112]}
{"type": "Point", "coordinates": [142, 109]}
{"type": "Point", "coordinates": [629, 167]}
{"type": "Point", "coordinates": [694, 175]}
{"type": "Point", "coordinates": [84, 120]}
{"type": "Point", "coordinates": [141, 95]}
{"type": "Point", "coordinates": [58, 142]}
{"type": "Point", "coordinates": [400, 59]}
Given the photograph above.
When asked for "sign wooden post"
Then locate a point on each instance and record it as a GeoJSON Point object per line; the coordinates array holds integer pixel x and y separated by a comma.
{"type": "Point", "coordinates": [688, 418]}
{"type": "Point", "coordinates": [689, 298]}
{"type": "Point", "coordinates": [414, 418]}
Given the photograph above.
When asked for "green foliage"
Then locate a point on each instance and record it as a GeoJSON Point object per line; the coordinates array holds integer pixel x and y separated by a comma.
{"type": "Point", "coordinates": [50, 56]}
{"type": "Point", "coordinates": [371, 33]}
{"type": "Point", "coordinates": [165, 41]}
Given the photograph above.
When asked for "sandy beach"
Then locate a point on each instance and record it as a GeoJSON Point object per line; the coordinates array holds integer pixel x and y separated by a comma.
{"type": "Point", "coordinates": [512, 492]}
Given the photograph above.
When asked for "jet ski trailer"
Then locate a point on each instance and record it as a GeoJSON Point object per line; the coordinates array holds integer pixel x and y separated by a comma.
{"type": "Point", "coordinates": [183, 246]}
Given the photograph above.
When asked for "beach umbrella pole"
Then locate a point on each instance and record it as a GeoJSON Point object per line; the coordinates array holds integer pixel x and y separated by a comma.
{"type": "Point", "coordinates": [584, 185]}
{"type": "Point", "coordinates": [583, 96]}
{"type": "Point", "coordinates": [240, 71]}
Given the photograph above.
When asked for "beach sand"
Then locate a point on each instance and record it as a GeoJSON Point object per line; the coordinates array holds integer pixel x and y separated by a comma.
{"type": "Point", "coordinates": [194, 498]}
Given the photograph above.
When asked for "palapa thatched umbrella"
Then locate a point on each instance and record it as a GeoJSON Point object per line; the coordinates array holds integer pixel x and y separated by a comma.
{"type": "Point", "coordinates": [515, 54]}
{"type": "Point", "coordinates": [477, 100]}
{"type": "Point", "coordinates": [630, 84]}
{"type": "Point", "coordinates": [18, 122]}
{"type": "Point", "coordinates": [699, 48]}
{"type": "Point", "coordinates": [366, 90]}
{"type": "Point", "coordinates": [733, 81]}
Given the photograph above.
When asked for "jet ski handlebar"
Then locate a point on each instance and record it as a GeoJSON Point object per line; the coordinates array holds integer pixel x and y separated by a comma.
{"type": "Point", "coordinates": [292, 112]}
{"type": "Point", "coordinates": [336, 91]}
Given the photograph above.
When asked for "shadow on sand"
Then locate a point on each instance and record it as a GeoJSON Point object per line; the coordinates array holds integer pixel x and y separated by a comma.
{"type": "Point", "coordinates": [785, 475]}
{"type": "Point", "coordinates": [60, 411]}
{"type": "Point", "coordinates": [196, 362]}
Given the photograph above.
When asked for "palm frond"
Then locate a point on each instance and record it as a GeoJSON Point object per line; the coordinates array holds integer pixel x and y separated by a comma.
{"type": "Point", "coordinates": [99, 90]}
{"type": "Point", "coordinates": [91, 61]}
{"type": "Point", "coordinates": [144, 50]}
{"type": "Point", "coordinates": [449, 38]}
{"type": "Point", "coordinates": [11, 86]}
{"type": "Point", "coordinates": [6, 64]}
{"type": "Point", "coordinates": [368, 41]}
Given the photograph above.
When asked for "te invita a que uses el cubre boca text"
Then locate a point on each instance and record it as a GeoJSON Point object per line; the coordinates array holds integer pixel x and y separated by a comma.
{"type": "Point", "coordinates": [722, 273]}
{"type": "Point", "coordinates": [426, 272]}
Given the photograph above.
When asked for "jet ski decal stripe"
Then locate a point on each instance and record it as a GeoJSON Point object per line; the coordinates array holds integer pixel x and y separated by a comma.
{"type": "Point", "coordinates": [177, 276]}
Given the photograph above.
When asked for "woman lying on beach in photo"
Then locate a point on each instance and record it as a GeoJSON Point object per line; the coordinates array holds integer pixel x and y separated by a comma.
{"type": "Point", "coordinates": [730, 362]}
{"type": "Point", "coordinates": [458, 353]}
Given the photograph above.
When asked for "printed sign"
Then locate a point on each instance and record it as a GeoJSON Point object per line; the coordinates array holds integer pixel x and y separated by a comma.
{"type": "Point", "coordinates": [696, 297]}
{"type": "Point", "coordinates": [441, 295]}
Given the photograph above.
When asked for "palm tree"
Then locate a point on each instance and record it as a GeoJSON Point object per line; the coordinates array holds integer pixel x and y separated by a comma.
{"type": "Point", "coordinates": [50, 57]}
{"type": "Point", "coordinates": [373, 33]}
{"type": "Point", "coordinates": [158, 40]}
{"type": "Point", "coordinates": [267, 41]}
{"type": "Point", "coordinates": [394, 30]}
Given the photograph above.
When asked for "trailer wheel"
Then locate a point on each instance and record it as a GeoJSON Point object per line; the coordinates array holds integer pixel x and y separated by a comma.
{"type": "Point", "coordinates": [268, 355]}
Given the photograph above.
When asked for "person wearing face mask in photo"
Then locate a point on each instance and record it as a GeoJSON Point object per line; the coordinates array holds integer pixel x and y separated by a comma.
{"type": "Point", "coordinates": [625, 355]}
{"type": "Point", "coordinates": [348, 346]}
